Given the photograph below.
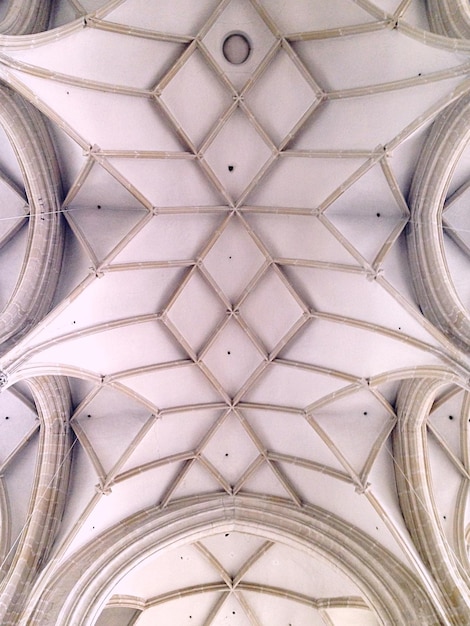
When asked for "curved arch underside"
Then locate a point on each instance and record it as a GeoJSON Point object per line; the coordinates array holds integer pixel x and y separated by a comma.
{"type": "Point", "coordinates": [235, 341]}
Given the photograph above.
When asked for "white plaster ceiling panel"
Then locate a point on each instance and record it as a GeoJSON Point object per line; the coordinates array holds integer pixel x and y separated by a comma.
{"type": "Point", "coordinates": [293, 386]}
{"type": "Point", "coordinates": [460, 175]}
{"type": "Point", "coordinates": [13, 209]}
{"type": "Point", "coordinates": [286, 568]}
{"type": "Point", "coordinates": [271, 309]}
{"type": "Point", "coordinates": [183, 611]}
{"type": "Point", "coordinates": [105, 57]}
{"type": "Point", "coordinates": [279, 611]}
{"type": "Point", "coordinates": [237, 154]}
{"type": "Point", "coordinates": [173, 434]}
{"type": "Point", "coordinates": [371, 424]}
{"type": "Point", "coordinates": [115, 296]}
{"type": "Point", "coordinates": [395, 269]}
{"type": "Point", "coordinates": [170, 237]}
{"type": "Point", "coordinates": [188, 566]}
{"type": "Point", "coordinates": [77, 268]}
{"type": "Point", "coordinates": [205, 98]}
{"type": "Point", "coordinates": [95, 115]}
{"type": "Point", "coordinates": [232, 357]}
{"type": "Point", "coordinates": [168, 182]}
{"type": "Point", "coordinates": [234, 259]}
{"type": "Point", "coordinates": [230, 450]}
{"type": "Point", "coordinates": [11, 255]}
{"type": "Point", "coordinates": [369, 198]}
{"type": "Point", "coordinates": [303, 182]}
{"type": "Point", "coordinates": [121, 499]}
{"type": "Point", "coordinates": [17, 420]}
{"type": "Point", "coordinates": [404, 158]}
{"type": "Point", "coordinates": [447, 481]}
{"type": "Point", "coordinates": [266, 480]}
{"type": "Point", "coordinates": [281, 96]}
{"type": "Point", "coordinates": [328, 340]}
{"type": "Point", "coordinates": [180, 385]}
{"type": "Point", "coordinates": [96, 188]}
{"type": "Point", "coordinates": [110, 422]}
{"type": "Point", "coordinates": [458, 264]}
{"type": "Point", "coordinates": [316, 488]}
{"type": "Point", "coordinates": [363, 122]}
{"type": "Point", "coordinates": [455, 218]}
{"type": "Point", "coordinates": [448, 419]}
{"type": "Point", "coordinates": [124, 348]}
{"type": "Point", "coordinates": [172, 16]}
{"type": "Point", "coordinates": [103, 228]}
{"type": "Point", "coordinates": [234, 549]}
{"type": "Point", "coordinates": [352, 617]}
{"type": "Point", "coordinates": [196, 312]}
{"type": "Point", "coordinates": [239, 15]}
{"type": "Point", "coordinates": [290, 434]}
{"type": "Point", "coordinates": [9, 164]}
{"type": "Point", "coordinates": [298, 237]}
{"type": "Point", "coordinates": [324, 291]}
{"type": "Point", "coordinates": [303, 16]}
{"type": "Point", "coordinates": [195, 479]}
{"type": "Point", "coordinates": [83, 479]}
{"type": "Point", "coordinates": [343, 61]}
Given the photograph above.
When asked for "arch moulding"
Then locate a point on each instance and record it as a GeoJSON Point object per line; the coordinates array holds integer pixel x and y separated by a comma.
{"type": "Point", "coordinates": [76, 592]}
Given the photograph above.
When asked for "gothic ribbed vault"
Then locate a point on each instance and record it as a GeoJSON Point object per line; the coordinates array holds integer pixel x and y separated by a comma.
{"type": "Point", "coordinates": [234, 337]}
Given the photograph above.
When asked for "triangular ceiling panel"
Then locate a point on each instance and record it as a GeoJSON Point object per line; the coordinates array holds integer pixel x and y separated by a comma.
{"type": "Point", "coordinates": [205, 102]}
{"type": "Point", "coordinates": [298, 237]}
{"type": "Point", "coordinates": [171, 16]}
{"type": "Point", "coordinates": [302, 15]}
{"type": "Point", "coordinates": [303, 181]}
{"type": "Point", "coordinates": [170, 237]}
{"type": "Point", "coordinates": [233, 549]}
{"type": "Point", "coordinates": [172, 434]}
{"type": "Point", "coordinates": [230, 450]}
{"type": "Point", "coordinates": [110, 421]}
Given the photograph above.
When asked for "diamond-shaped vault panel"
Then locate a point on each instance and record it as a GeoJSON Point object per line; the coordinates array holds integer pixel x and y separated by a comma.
{"type": "Point", "coordinates": [232, 357]}
{"type": "Point", "coordinates": [234, 259]}
{"type": "Point", "coordinates": [270, 309]}
{"type": "Point", "coordinates": [231, 450]}
{"type": "Point", "coordinates": [280, 97]}
{"type": "Point", "coordinates": [196, 97]}
{"type": "Point", "coordinates": [237, 154]}
{"type": "Point", "coordinates": [196, 312]}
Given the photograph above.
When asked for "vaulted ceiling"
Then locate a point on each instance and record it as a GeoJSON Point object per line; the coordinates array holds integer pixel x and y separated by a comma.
{"type": "Point", "coordinates": [234, 361]}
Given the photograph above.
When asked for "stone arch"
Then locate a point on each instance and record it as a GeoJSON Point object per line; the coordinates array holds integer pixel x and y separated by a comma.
{"type": "Point", "coordinates": [415, 492]}
{"type": "Point", "coordinates": [449, 17]}
{"type": "Point", "coordinates": [433, 284]}
{"type": "Point", "coordinates": [52, 399]}
{"type": "Point", "coordinates": [24, 17]}
{"type": "Point", "coordinates": [75, 592]}
{"type": "Point", "coordinates": [35, 286]}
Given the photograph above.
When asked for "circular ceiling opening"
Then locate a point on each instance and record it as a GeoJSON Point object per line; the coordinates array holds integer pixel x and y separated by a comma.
{"type": "Point", "coordinates": [236, 48]}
